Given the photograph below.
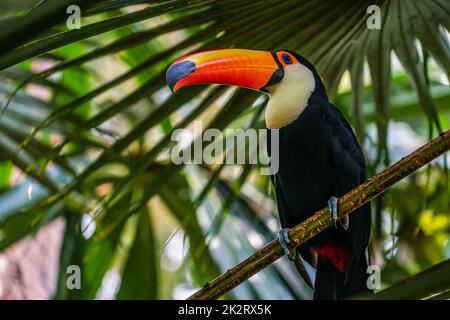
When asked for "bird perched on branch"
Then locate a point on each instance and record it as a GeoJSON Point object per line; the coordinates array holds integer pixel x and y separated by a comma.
{"type": "Point", "coordinates": [319, 158]}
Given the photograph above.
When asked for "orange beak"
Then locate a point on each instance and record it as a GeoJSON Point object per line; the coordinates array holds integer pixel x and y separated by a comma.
{"type": "Point", "coordinates": [250, 69]}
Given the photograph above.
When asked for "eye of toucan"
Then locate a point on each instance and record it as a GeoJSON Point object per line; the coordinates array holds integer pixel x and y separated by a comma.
{"type": "Point", "coordinates": [286, 58]}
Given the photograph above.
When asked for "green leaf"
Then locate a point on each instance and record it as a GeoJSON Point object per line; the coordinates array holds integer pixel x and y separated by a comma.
{"type": "Point", "coordinates": [6, 169]}
{"type": "Point", "coordinates": [65, 38]}
{"type": "Point", "coordinates": [38, 20]}
{"type": "Point", "coordinates": [424, 285]}
{"type": "Point", "coordinates": [72, 251]}
{"type": "Point", "coordinates": [139, 279]}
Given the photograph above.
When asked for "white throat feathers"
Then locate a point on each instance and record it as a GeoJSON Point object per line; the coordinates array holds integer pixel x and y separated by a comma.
{"type": "Point", "coordinates": [289, 97]}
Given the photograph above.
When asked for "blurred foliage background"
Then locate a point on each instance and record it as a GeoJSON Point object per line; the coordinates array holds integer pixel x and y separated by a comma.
{"type": "Point", "coordinates": [86, 124]}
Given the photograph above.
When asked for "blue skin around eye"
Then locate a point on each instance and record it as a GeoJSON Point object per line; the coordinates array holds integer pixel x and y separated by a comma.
{"type": "Point", "coordinates": [286, 59]}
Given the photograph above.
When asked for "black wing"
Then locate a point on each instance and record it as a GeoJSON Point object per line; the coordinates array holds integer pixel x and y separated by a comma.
{"type": "Point", "coordinates": [349, 160]}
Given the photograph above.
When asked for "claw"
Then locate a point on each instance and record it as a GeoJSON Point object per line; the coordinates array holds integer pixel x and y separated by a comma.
{"type": "Point", "coordinates": [283, 238]}
{"type": "Point", "coordinates": [345, 222]}
{"type": "Point", "coordinates": [332, 205]}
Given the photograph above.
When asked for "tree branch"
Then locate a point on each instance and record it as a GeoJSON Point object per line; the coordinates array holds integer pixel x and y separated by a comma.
{"type": "Point", "coordinates": [322, 219]}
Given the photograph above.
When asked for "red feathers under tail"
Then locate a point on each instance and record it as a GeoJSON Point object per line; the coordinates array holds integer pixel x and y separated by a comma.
{"type": "Point", "coordinates": [331, 279]}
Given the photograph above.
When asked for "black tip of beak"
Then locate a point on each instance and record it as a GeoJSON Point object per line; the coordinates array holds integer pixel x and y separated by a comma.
{"type": "Point", "coordinates": [178, 71]}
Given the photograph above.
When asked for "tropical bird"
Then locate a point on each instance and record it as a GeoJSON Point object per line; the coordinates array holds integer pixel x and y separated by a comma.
{"type": "Point", "coordinates": [319, 158]}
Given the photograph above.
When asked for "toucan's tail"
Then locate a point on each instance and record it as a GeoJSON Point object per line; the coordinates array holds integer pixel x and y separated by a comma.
{"type": "Point", "coordinates": [331, 283]}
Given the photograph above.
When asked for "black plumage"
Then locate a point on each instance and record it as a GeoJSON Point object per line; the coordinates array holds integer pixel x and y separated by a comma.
{"type": "Point", "coordinates": [320, 157]}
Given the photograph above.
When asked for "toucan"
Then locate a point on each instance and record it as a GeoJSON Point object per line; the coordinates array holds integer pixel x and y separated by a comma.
{"type": "Point", "coordinates": [319, 157]}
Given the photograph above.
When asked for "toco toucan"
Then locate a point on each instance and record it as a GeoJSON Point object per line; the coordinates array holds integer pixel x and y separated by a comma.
{"type": "Point", "coordinates": [319, 158]}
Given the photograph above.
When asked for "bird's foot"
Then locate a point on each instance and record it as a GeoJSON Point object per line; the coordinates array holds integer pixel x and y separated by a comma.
{"type": "Point", "coordinates": [332, 205]}
{"type": "Point", "coordinates": [345, 221]}
{"type": "Point", "coordinates": [283, 238]}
